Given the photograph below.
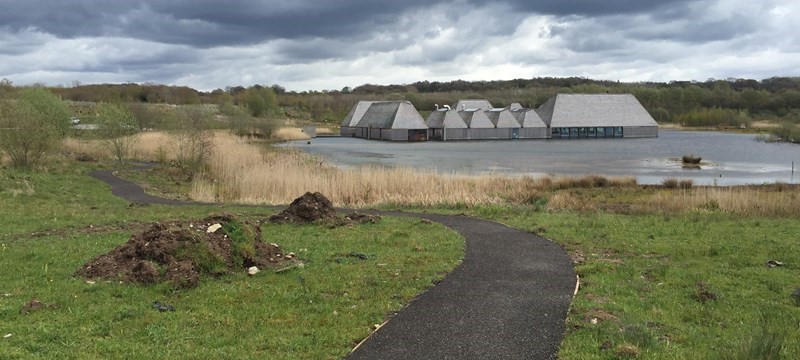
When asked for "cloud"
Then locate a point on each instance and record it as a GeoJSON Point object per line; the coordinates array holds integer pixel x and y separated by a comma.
{"type": "Point", "coordinates": [316, 44]}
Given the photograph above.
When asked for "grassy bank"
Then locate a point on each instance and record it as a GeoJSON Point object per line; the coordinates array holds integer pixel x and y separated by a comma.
{"type": "Point", "coordinates": [55, 220]}
{"type": "Point", "coordinates": [666, 273]}
{"type": "Point", "coordinates": [682, 286]}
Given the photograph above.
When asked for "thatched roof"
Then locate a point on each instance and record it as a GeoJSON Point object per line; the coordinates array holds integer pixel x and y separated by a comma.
{"type": "Point", "coordinates": [476, 119]}
{"type": "Point", "coordinates": [355, 114]}
{"type": "Point", "coordinates": [444, 118]}
{"type": "Point", "coordinates": [472, 104]}
{"type": "Point", "coordinates": [591, 110]}
{"type": "Point", "coordinates": [392, 115]}
{"type": "Point", "coordinates": [528, 118]}
{"type": "Point", "coordinates": [502, 118]}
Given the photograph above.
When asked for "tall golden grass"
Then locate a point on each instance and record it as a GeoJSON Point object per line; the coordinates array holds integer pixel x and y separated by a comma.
{"type": "Point", "coordinates": [750, 201]}
{"type": "Point", "coordinates": [246, 172]}
{"type": "Point", "coordinates": [147, 147]}
{"type": "Point", "coordinates": [242, 171]}
{"type": "Point", "coordinates": [290, 133]}
{"type": "Point", "coordinates": [296, 133]}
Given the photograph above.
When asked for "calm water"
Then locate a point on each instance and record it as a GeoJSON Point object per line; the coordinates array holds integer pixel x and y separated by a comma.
{"type": "Point", "coordinates": [728, 159]}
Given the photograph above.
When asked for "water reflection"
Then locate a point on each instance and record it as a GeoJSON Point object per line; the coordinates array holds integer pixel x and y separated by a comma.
{"type": "Point", "coordinates": [728, 159]}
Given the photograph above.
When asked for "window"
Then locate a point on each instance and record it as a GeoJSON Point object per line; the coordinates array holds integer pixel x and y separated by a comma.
{"type": "Point", "coordinates": [573, 132]}
{"type": "Point", "coordinates": [592, 132]}
{"type": "Point", "coordinates": [600, 132]}
{"type": "Point", "coordinates": [618, 131]}
{"type": "Point", "coordinates": [556, 132]}
{"type": "Point", "coordinates": [609, 132]}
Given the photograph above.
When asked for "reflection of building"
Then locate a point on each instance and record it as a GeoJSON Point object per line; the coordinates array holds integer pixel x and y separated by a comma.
{"type": "Point", "coordinates": [565, 116]}
{"type": "Point", "coordinates": [577, 116]}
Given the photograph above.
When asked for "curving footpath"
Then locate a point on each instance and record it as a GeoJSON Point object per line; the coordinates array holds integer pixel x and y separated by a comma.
{"type": "Point", "coordinates": [507, 300]}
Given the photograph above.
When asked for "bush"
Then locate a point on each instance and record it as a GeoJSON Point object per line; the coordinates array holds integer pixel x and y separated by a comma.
{"type": "Point", "coordinates": [118, 128]}
{"type": "Point", "coordinates": [33, 125]}
{"type": "Point", "coordinates": [714, 117]}
{"type": "Point", "coordinates": [193, 141]}
{"type": "Point", "coordinates": [670, 183]}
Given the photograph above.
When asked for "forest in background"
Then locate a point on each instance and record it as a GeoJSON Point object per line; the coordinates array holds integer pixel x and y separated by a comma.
{"type": "Point", "coordinates": [715, 103]}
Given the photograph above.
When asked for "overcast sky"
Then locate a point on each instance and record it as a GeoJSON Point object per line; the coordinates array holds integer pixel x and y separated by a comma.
{"type": "Point", "coordinates": [330, 44]}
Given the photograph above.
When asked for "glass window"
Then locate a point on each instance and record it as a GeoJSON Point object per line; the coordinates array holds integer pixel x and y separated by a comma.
{"type": "Point", "coordinates": [592, 132]}
{"type": "Point", "coordinates": [609, 132]}
{"type": "Point", "coordinates": [565, 133]}
{"type": "Point", "coordinates": [618, 132]}
{"type": "Point", "coordinates": [600, 132]}
{"type": "Point", "coordinates": [573, 132]}
{"type": "Point", "coordinates": [556, 131]}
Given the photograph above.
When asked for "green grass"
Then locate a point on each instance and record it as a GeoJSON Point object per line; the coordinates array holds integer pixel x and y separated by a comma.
{"type": "Point", "coordinates": [646, 271]}
{"type": "Point", "coordinates": [55, 221]}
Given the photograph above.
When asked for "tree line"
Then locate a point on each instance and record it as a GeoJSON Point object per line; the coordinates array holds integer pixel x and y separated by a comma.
{"type": "Point", "coordinates": [675, 101]}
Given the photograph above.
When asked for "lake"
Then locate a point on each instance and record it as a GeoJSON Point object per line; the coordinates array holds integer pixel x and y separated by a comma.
{"type": "Point", "coordinates": [728, 158]}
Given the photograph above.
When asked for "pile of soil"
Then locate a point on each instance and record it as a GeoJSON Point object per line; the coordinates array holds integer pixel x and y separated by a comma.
{"type": "Point", "coordinates": [180, 252]}
{"type": "Point", "coordinates": [307, 209]}
{"type": "Point", "coordinates": [315, 207]}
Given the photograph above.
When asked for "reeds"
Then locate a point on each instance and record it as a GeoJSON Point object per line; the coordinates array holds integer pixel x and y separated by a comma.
{"type": "Point", "coordinates": [241, 171]}
{"type": "Point", "coordinates": [750, 201]}
{"type": "Point", "coordinates": [247, 172]}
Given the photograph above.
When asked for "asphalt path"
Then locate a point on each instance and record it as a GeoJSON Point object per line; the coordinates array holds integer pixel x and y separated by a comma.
{"type": "Point", "coordinates": [507, 300]}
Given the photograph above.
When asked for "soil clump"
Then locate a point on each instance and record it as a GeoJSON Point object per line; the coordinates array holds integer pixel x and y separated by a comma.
{"type": "Point", "coordinates": [316, 208]}
{"type": "Point", "coordinates": [181, 252]}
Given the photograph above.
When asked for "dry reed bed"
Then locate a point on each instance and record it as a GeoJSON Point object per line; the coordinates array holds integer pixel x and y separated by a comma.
{"type": "Point", "coordinates": [246, 172]}
{"type": "Point", "coordinates": [750, 201]}
{"type": "Point", "coordinates": [146, 148]}
{"type": "Point", "coordinates": [243, 172]}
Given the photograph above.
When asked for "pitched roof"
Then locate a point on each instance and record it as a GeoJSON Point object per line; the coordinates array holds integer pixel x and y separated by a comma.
{"type": "Point", "coordinates": [444, 118]}
{"type": "Point", "coordinates": [528, 118]}
{"type": "Point", "coordinates": [502, 118]}
{"type": "Point", "coordinates": [476, 119]}
{"type": "Point", "coordinates": [392, 115]}
{"type": "Point", "coordinates": [355, 114]}
{"type": "Point", "coordinates": [472, 104]}
{"type": "Point", "coordinates": [515, 106]}
{"type": "Point", "coordinates": [589, 110]}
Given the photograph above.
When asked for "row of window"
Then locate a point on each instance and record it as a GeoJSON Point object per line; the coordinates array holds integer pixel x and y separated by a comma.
{"type": "Point", "coordinates": [587, 132]}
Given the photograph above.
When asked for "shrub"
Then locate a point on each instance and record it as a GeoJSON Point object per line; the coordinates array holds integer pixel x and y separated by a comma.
{"type": "Point", "coordinates": [193, 141]}
{"type": "Point", "coordinates": [670, 183]}
{"type": "Point", "coordinates": [33, 125]}
{"type": "Point", "coordinates": [686, 184]}
{"type": "Point", "coordinates": [118, 128]}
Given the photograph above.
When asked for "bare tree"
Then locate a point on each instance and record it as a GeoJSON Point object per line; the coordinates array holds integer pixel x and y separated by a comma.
{"type": "Point", "coordinates": [193, 141]}
{"type": "Point", "coordinates": [118, 128]}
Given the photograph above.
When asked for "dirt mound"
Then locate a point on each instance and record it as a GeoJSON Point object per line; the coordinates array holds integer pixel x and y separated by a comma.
{"type": "Point", "coordinates": [181, 252]}
{"type": "Point", "coordinates": [311, 208]}
{"type": "Point", "coordinates": [307, 209]}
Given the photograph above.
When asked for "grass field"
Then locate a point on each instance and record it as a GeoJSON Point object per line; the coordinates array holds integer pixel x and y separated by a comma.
{"type": "Point", "coordinates": [666, 273]}
{"type": "Point", "coordinates": [55, 221]}
{"type": "Point", "coordinates": [682, 286]}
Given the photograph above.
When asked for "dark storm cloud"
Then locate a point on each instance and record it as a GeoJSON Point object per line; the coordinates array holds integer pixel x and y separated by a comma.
{"type": "Point", "coordinates": [668, 8]}
{"type": "Point", "coordinates": [305, 44]}
{"type": "Point", "coordinates": [203, 23]}
{"type": "Point", "coordinates": [207, 23]}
